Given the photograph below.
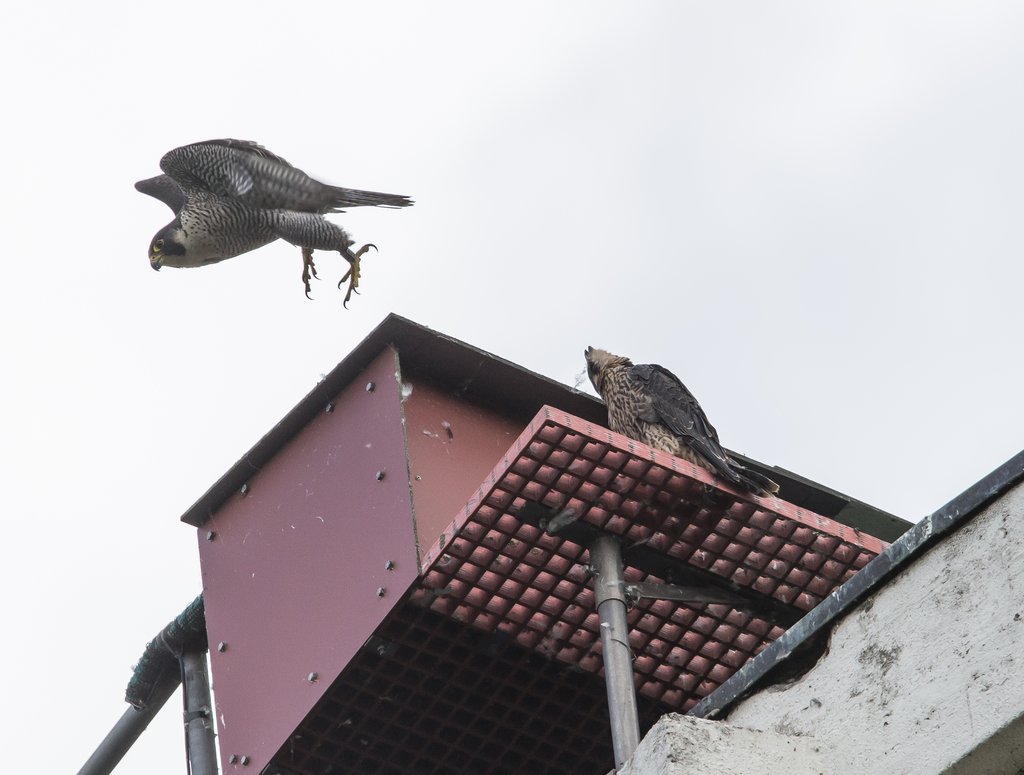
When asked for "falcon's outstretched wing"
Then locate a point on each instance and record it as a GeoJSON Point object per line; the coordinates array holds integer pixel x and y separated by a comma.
{"type": "Point", "coordinates": [248, 172]}
{"type": "Point", "coordinates": [164, 188]}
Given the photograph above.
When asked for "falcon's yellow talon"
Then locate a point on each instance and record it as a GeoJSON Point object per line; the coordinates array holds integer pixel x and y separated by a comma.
{"type": "Point", "coordinates": [308, 268]}
{"type": "Point", "coordinates": [352, 275]}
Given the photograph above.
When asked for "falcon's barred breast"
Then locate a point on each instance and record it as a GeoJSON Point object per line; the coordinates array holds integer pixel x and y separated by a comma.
{"type": "Point", "coordinates": [650, 404]}
{"type": "Point", "coordinates": [233, 196]}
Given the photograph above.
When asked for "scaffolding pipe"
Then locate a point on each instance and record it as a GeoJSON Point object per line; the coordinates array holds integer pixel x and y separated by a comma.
{"type": "Point", "coordinates": [128, 728]}
{"type": "Point", "coordinates": [610, 596]}
{"type": "Point", "coordinates": [199, 738]}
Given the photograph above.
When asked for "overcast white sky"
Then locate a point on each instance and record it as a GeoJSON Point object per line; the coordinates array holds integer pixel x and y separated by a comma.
{"type": "Point", "coordinates": [810, 212]}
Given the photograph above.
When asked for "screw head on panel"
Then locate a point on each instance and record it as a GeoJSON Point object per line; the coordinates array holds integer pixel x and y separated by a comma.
{"type": "Point", "coordinates": [389, 565]}
{"type": "Point", "coordinates": [245, 761]}
{"type": "Point", "coordinates": [211, 535]}
{"type": "Point", "coordinates": [379, 476]}
{"type": "Point", "coordinates": [222, 647]}
{"type": "Point", "coordinates": [245, 489]}
{"type": "Point", "coordinates": [313, 677]}
{"type": "Point", "coordinates": [233, 759]}
{"type": "Point", "coordinates": [381, 591]}
{"type": "Point", "coordinates": [330, 407]}
{"type": "Point", "coordinates": [370, 387]}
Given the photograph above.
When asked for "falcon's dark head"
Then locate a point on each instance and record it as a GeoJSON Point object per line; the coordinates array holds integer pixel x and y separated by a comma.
{"type": "Point", "coordinates": [167, 246]}
{"type": "Point", "coordinates": [599, 361]}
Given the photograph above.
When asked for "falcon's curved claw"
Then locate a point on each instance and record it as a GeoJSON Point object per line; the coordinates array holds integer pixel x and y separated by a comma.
{"type": "Point", "coordinates": [352, 275]}
{"type": "Point", "coordinates": [308, 269]}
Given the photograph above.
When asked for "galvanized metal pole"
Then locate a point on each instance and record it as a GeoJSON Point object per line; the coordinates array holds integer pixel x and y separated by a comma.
{"type": "Point", "coordinates": [127, 730]}
{"type": "Point", "coordinates": [199, 741]}
{"type": "Point", "coordinates": [610, 594]}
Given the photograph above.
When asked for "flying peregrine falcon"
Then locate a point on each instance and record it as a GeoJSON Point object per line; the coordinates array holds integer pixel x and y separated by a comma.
{"type": "Point", "coordinates": [233, 196]}
{"type": "Point", "coordinates": [650, 404]}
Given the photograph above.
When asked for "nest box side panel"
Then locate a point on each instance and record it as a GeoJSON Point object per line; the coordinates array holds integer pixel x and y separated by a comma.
{"type": "Point", "coordinates": [302, 564]}
{"type": "Point", "coordinates": [453, 445]}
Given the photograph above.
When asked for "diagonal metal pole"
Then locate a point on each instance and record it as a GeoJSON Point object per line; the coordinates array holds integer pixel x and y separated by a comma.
{"type": "Point", "coordinates": [199, 741]}
{"type": "Point", "coordinates": [127, 730]}
{"type": "Point", "coordinates": [610, 594]}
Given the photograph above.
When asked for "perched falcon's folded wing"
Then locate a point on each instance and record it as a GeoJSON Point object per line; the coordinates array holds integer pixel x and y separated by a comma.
{"type": "Point", "coordinates": [672, 405]}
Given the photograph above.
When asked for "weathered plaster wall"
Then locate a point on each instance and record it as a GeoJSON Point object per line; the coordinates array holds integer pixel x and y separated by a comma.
{"type": "Point", "coordinates": [926, 672]}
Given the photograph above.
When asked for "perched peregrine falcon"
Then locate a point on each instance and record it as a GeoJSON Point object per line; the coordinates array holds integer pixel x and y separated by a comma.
{"type": "Point", "coordinates": [233, 196]}
{"type": "Point", "coordinates": [650, 404]}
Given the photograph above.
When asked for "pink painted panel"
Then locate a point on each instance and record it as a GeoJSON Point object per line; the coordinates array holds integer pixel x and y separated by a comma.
{"type": "Point", "coordinates": [292, 574]}
{"type": "Point", "coordinates": [453, 445]}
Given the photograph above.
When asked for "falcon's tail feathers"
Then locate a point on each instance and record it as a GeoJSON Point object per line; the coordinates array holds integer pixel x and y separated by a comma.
{"type": "Point", "coordinates": [342, 198]}
{"type": "Point", "coordinates": [755, 482]}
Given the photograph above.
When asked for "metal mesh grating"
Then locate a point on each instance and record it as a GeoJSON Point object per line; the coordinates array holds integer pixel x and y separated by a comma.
{"type": "Point", "coordinates": [428, 696]}
{"type": "Point", "coordinates": [498, 572]}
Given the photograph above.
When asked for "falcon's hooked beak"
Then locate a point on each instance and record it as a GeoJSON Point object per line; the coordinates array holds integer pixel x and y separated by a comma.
{"type": "Point", "coordinates": [591, 369]}
{"type": "Point", "coordinates": [156, 253]}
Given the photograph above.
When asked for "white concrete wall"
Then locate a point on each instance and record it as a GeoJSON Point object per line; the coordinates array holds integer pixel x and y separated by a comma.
{"type": "Point", "coordinates": [927, 670]}
{"type": "Point", "coordinates": [924, 677]}
{"type": "Point", "coordinates": [681, 745]}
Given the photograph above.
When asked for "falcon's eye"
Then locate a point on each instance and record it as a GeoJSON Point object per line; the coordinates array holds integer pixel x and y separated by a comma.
{"type": "Point", "coordinates": [158, 246]}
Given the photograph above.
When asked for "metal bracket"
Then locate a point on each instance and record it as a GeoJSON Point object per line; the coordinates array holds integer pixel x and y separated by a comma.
{"type": "Point", "coordinates": [567, 525]}
{"type": "Point", "coordinates": [646, 590]}
{"type": "Point", "coordinates": [557, 522]}
{"type": "Point", "coordinates": [379, 646]}
{"type": "Point", "coordinates": [192, 715]}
